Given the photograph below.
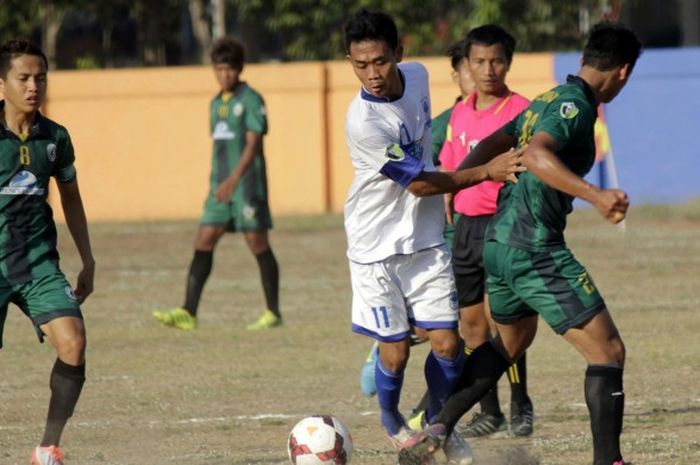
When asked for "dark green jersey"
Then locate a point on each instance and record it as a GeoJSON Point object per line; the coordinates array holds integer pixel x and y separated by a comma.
{"type": "Point", "coordinates": [27, 230]}
{"type": "Point", "coordinates": [438, 131]}
{"type": "Point", "coordinates": [232, 116]}
{"type": "Point", "coordinates": [532, 215]}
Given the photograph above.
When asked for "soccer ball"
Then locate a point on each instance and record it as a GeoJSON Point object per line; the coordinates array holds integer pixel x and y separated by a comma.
{"type": "Point", "coordinates": [320, 440]}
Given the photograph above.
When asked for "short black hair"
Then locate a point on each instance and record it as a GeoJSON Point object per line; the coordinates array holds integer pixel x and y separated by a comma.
{"type": "Point", "coordinates": [227, 50]}
{"type": "Point", "coordinates": [490, 34]}
{"type": "Point", "coordinates": [457, 53]}
{"type": "Point", "coordinates": [14, 48]}
{"type": "Point", "coordinates": [371, 25]}
{"type": "Point", "coordinates": [610, 45]}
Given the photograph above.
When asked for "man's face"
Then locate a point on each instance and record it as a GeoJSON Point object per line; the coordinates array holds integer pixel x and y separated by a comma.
{"type": "Point", "coordinates": [24, 87]}
{"type": "Point", "coordinates": [488, 66]}
{"type": "Point", "coordinates": [375, 65]}
{"type": "Point", "coordinates": [227, 76]}
{"type": "Point", "coordinates": [463, 78]}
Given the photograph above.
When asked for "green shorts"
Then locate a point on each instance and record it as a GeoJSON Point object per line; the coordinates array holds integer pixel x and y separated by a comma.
{"type": "Point", "coordinates": [42, 299]}
{"type": "Point", "coordinates": [552, 284]}
{"type": "Point", "coordinates": [253, 215]}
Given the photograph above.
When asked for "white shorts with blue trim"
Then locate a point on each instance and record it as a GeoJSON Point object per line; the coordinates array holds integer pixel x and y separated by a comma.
{"type": "Point", "coordinates": [403, 290]}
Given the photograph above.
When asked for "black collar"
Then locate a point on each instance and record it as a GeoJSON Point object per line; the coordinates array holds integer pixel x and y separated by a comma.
{"type": "Point", "coordinates": [588, 92]}
{"type": "Point", "coordinates": [39, 128]}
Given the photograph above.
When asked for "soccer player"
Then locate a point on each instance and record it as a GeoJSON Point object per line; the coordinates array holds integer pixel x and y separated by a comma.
{"type": "Point", "coordinates": [438, 131]}
{"type": "Point", "coordinates": [399, 266]}
{"type": "Point", "coordinates": [34, 148]}
{"type": "Point", "coordinates": [237, 199]}
{"type": "Point", "coordinates": [487, 53]}
{"type": "Point", "coordinates": [530, 271]}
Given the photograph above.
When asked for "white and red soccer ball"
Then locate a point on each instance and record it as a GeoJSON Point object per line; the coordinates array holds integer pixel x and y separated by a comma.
{"type": "Point", "coordinates": [320, 440]}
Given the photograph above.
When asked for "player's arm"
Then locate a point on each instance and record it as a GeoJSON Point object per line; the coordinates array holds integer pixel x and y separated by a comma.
{"type": "Point", "coordinates": [488, 148]}
{"type": "Point", "coordinates": [541, 160]}
{"type": "Point", "coordinates": [500, 168]}
{"type": "Point", "coordinates": [76, 221]}
{"type": "Point", "coordinates": [226, 188]}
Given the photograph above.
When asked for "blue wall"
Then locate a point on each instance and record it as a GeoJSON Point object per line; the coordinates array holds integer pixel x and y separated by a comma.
{"type": "Point", "coordinates": [654, 125]}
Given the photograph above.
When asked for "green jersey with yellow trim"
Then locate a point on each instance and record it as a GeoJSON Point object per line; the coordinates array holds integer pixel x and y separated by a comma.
{"type": "Point", "coordinates": [232, 116]}
{"type": "Point", "coordinates": [27, 229]}
{"type": "Point", "coordinates": [532, 215]}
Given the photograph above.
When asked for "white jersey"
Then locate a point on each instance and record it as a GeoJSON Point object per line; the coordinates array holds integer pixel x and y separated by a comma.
{"type": "Point", "coordinates": [390, 144]}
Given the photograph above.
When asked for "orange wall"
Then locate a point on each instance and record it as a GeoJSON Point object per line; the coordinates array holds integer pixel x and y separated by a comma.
{"type": "Point", "coordinates": [142, 143]}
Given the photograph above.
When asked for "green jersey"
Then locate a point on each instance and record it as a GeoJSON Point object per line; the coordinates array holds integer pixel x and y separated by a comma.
{"type": "Point", "coordinates": [27, 230]}
{"type": "Point", "coordinates": [232, 116]}
{"type": "Point", "coordinates": [532, 215]}
{"type": "Point", "coordinates": [438, 131]}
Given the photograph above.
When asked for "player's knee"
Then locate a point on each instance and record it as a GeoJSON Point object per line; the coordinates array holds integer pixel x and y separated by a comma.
{"type": "Point", "coordinates": [617, 351]}
{"type": "Point", "coordinates": [71, 347]}
{"type": "Point", "coordinates": [445, 347]}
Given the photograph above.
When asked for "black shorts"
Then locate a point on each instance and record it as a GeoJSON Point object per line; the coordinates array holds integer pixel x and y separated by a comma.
{"type": "Point", "coordinates": [467, 260]}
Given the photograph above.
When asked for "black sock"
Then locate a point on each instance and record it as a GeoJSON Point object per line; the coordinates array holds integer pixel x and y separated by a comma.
{"type": "Point", "coordinates": [422, 404]}
{"type": "Point", "coordinates": [196, 278]}
{"type": "Point", "coordinates": [66, 383]}
{"type": "Point", "coordinates": [517, 375]}
{"type": "Point", "coordinates": [269, 275]}
{"type": "Point", "coordinates": [489, 403]}
{"type": "Point", "coordinates": [606, 403]}
{"type": "Point", "coordinates": [482, 371]}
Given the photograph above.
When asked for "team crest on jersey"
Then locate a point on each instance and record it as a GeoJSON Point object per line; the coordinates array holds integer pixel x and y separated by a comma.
{"type": "Point", "coordinates": [222, 132]}
{"type": "Point", "coordinates": [22, 183]}
{"type": "Point", "coordinates": [568, 110]}
{"type": "Point", "coordinates": [395, 153]}
{"type": "Point", "coordinates": [238, 109]}
{"type": "Point", "coordinates": [51, 152]}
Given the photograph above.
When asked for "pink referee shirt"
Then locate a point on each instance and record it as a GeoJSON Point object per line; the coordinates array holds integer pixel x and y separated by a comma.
{"type": "Point", "coordinates": [466, 128]}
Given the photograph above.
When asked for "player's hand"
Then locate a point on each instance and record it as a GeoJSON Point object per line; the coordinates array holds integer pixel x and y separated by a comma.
{"type": "Point", "coordinates": [225, 190]}
{"type": "Point", "coordinates": [505, 166]}
{"type": "Point", "coordinates": [449, 207]}
{"type": "Point", "coordinates": [612, 204]}
{"type": "Point", "coordinates": [86, 280]}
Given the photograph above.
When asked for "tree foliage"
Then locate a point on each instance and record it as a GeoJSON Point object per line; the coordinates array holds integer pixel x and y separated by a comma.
{"type": "Point", "coordinates": [165, 32]}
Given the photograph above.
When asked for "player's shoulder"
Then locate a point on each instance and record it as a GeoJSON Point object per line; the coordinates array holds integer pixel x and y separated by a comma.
{"type": "Point", "coordinates": [52, 128]}
{"type": "Point", "coordinates": [414, 70]}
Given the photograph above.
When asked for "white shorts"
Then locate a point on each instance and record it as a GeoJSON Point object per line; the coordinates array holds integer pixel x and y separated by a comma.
{"type": "Point", "coordinates": [403, 290]}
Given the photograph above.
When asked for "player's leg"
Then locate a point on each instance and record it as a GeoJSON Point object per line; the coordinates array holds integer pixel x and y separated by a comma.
{"type": "Point", "coordinates": [600, 344]}
{"type": "Point", "coordinates": [51, 305]}
{"type": "Point", "coordinates": [474, 325]}
{"type": "Point", "coordinates": [521, 409]}
{"type": "Point", "coordinates": [67, 335]}
{"type": "Point", "coordinates": [568, 300]}
{"type": "Point", "coordinates": [185, 317]}
{"type": "Point", "coordinates": [259, 245]}
{"type": "Point", "coordinates": [379, 311]}
{"type": "Point", "coordinates": [475, 330]}
{"type": "Point", "coordinates": [389, 375]}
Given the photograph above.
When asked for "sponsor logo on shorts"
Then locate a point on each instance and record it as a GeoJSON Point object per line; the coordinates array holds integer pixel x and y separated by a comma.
{"type": "Point", "coordinates": [22, 183]}
{"type": "Point", "coordinates": [568, 110]}
{"type": "Point", "coordinates": [70, 293]}
{"type": "Point", "coordinates": [222, 132]}
{"type": "Point", "coordinates": [454, 302]}
{"type": "Point", "coordinates": [248, 212]}
{"type": "Point", "coordinates": [51, 152]}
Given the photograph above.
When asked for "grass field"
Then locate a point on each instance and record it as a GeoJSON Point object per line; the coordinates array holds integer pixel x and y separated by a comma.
{"type": "Point", "coordinates": [222, 395]}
